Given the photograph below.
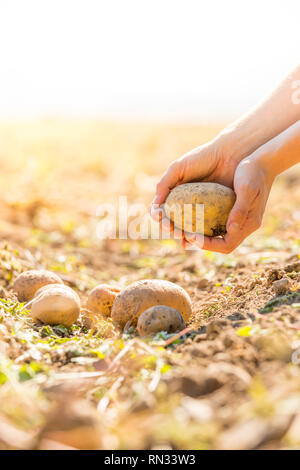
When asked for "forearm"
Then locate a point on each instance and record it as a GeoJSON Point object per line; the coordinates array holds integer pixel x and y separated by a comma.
{"type": "Point", "coordinates": [252, 183]}
{"type": "Point", "coordinates": [272, 116]}
{"type": "Point", "coordinates": [281, 152]}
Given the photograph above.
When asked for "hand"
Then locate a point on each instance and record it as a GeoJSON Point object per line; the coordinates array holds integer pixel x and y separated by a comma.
{"type": "Point", "coordinates": [252, 184]}
{"type": "Point", "coordinates": [210, 162]}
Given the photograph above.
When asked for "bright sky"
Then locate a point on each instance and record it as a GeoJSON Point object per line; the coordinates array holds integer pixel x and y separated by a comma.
{"type": "Point", "coordinates": [157, 59]}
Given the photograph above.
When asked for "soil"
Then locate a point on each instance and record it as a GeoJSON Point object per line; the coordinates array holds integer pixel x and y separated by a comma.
{"type": "Point", "coordinates": [230, 381]}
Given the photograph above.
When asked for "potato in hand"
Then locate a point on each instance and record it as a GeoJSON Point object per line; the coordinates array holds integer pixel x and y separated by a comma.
{"type": "Point", "coordinates": [182, 207]}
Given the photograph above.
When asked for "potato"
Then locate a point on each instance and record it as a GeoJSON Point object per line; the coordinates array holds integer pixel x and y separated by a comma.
{"type": "Point", "coordinates": [141, 295]}
{"type": "Point", "coordinates": [56, 305]}
{"type": "Point", "coordinates": [218, 201]}
{"type": "Point", "coordinates": [29, 282]}
{"type": "Point", "coordinates": [101, 298]}
{"type": "Point", "coordinates": [160, 318]}
{"type": "Point", "coordinates": [59, 286]}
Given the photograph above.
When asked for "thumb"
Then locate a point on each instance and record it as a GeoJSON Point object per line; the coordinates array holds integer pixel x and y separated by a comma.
{"type": "Point", "coordinates": [239, 212]}
{"type": "Point", "coordinates": [167, 182]}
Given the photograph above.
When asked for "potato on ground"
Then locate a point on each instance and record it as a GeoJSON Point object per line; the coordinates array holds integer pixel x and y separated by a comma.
{"type": "Point", "coordinates": [217, 201]}
{"type": "Point", "coordinates": [141, 295]}
{"type": "Point", "coordinates": [58, 286]}
{"type": "Point", "coordinates": [29, 282]}
{"type": "Point", "coordinates": [56, 305]}
{"type": "Point", "coordinates": [160, 318]}
{"type": "Point", "coordinates": [101, 298]}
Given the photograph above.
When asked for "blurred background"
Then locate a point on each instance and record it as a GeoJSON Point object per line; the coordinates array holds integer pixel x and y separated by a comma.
{"type": "Point", "coordinates": [161, 60]}
{"type": "Point", "coordinates": [97, 97]}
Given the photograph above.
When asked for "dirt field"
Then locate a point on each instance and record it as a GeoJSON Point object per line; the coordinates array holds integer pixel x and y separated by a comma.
{"type": "Point", "coordinates": [232, 382]}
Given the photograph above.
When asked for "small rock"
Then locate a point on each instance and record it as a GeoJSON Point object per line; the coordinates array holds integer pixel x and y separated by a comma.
{"type": "Point", "coordinates": [196, 386]}
{"type": "Point", "coordinates": [215, 327]}
{"type": "Point", "coordinates": [293, 267]}
{"type": "Point", "coordinates": [236, 317]}
{"type": "Point", "coordinates": [274, 275]}
{"type": "Point", "coordinates": [239, 293]}
{"type": "Point", "coordinates": [3, 347]}
{"type": "Point", "coordinates": [3, 293]}
{"type": "Point", "coordinates": [281, 286]}
{"type": "Point", "coordinates": [249, 435]}
{"type": "Point", "coordinates": [88, 319]}
{"type": "Point", "coordinates": [203, 283]}
{"type": "Point", "coordinates": [198, 410]}
{"type": "Point", "coordinates": [274, 346]}
{"type": "Point", "coordinates": [4, 335]}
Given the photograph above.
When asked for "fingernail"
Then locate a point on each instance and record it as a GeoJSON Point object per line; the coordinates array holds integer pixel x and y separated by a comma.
{"type": "Point", "coordinates": [156, 214]}
{"type": "Point", "coordinates": [154, 207]}
{"type": "Point", "coordinates": [156, 200]}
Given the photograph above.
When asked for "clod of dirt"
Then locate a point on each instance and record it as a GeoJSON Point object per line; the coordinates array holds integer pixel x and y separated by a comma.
{"type": "Point", "coordinates": [237, 319]}
{"type": "Point", "coordinates": [88, 319]}
{"type": "Point", "coordinates": [293, 267]}
{"type": "Point", "coordinates": [215, 327]}
{"type": "Point", "coordinates": [3, 293]}
{"type": "Point", "coordinates": [206, 381]}
{"type": "Point", "coordinates": [29, 282]}
{"type": "Point", "coordinates": [249, 435]}
{"type": "Point", "coordinates": [274, 346]}
{"type": "Point", "coordinates": [73, 424]}
{"type": "Point", "coordinates": [289, 299]}
{"type": "Point", "coordinates": [160, 318]}
{"type": "Point", "coordinates": [203, 283]}
{"type": "Point", "coordinates": [195, 386]}
{"type": "Point", "coordinates": [4, 339]}
{"type": "Point", "coordinates": [198, 410]}
{"type": "Point", "coordinates": [91, 321]}
{"type": "Point", "coordinates": [274, 275]}
{"type": "Point", "coordinates": [4, 334]}
{"type": "Point", "coordinates": [205, 349]}
{"type": "Point", "coordinates": [281, 286]}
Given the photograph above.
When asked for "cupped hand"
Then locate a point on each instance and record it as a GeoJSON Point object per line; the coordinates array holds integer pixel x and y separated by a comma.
{"type": "Point", "coordinates": [210, 162]}
{"type": "Point", "coordinates": [252, 184]}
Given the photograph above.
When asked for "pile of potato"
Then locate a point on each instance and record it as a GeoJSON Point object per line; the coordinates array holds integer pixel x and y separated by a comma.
{"type": "Point", "coordinates": [150, 305]}
{"type": "Point", "coordinates": [138, 305]}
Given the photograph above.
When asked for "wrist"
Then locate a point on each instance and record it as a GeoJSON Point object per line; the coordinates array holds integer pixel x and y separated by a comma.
{"type": "Point", "coordinates": [239, 141]}
{"type": "Point", "coordinates": [265, 160]}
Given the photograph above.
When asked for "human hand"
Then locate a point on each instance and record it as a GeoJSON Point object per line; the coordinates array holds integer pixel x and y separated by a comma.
{"type": "Point", "coordinates": [252, 184]}
{"type": "Point", "coordinates": [213, 161]}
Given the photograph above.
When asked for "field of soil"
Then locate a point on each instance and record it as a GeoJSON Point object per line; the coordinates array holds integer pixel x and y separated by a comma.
{"type": "Point", "coordinates": [231, 382]}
